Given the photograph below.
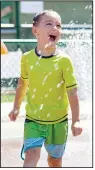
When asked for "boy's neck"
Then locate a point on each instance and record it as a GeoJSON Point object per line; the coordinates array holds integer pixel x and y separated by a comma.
{"type": "Point", "coordinates": [46, 51]}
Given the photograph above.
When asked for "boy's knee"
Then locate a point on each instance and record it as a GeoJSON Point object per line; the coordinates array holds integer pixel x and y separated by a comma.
{"type": "Point", "coordinates": [32, 154]}
{"type": "Point", "coordinates": [54, 162]}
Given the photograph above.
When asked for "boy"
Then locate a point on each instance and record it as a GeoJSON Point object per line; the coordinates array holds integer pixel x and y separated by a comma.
{"type": "Point", "coordinates": [48, 74]}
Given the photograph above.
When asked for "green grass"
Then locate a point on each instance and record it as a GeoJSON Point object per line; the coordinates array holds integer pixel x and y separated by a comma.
{"type": "Point", "coordinates": [9, 98]}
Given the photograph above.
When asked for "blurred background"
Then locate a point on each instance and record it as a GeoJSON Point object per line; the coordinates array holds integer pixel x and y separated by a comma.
{"type": "Point", "coordinates": [76, 40]}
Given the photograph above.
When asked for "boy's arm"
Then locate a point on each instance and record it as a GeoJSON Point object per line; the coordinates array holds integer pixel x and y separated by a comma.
{"type": "Point", "coordinates": [74, 104]}
{"type": "Point", "coordinates": [21, 89]}
{"type": "Point", "coordinates": [20, 92]}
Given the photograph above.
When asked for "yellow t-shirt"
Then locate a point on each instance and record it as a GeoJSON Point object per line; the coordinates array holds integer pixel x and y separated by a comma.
{"type": "Point", "coordinates": [49, 79]}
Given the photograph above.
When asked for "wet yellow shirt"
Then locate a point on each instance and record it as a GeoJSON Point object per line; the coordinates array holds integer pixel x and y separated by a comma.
{"type": "Point", "coordinates": [49, 79]}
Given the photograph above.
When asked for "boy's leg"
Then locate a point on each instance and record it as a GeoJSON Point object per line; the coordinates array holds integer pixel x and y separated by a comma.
{"type": "Point", "coordinates": [55, 143]}
{"type": "Point", "coordinates": [34, 137]}
{"type": "Point", "coordinates": [32, 148]}
{"type": "Point", "coordinates": [54, 162]}
{"type": "Point", "coordinates": [55, 153]}
{"type": "Point", "coordinates": [32, 157]}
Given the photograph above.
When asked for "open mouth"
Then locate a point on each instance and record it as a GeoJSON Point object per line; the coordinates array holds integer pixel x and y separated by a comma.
{"type": "Point", "coordinates": [52, 37]}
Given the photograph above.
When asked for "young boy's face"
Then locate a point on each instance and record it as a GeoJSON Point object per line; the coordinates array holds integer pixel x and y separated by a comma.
{"type": "Point", "coordinates": [48, 30]}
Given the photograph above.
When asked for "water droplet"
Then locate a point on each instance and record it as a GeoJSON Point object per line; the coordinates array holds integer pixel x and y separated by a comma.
{"type": "Point", "coordinates": [58, 85]}
{"type": "Point", "coordinates": [71, 21]}
{"type": "Point", "coordinates": [86, 7]}
{"type": "Point", "coordinates": [46, 45]}
{"type": "Point", "coordinates": [16, 111]}
{"type": "Point", "coordinates": [50, 73]}
{"type": "Point", "coordinates": [77, 22]}
{"type": "Point", "coordinates": [59, 97]}
{"type": "Point", "coordinates": [48, 114]}
{"type": "Point", "coordinates": [39, 52]}
{"type": "Point", "coordinates": [40, 57]}
{"type": "Point", "coordinates": [37, 63]}
{"type": "Point", "coordinates": [44, 80]}
{"type": "Point", "coordinates": [33, 96]}
{"type": "Point", "coordinates": [56, 66]}
{"type": "Point", "coordinates": [41, 106]}
{"type": "Point", "coordinates": [31, 67]}
{"type": "Point", "coordinates": [34, 90]}
{"type": "Point", "coordinates": [46, 95]}
{"type": "Point", "coordinates": [50, 89]}
{"type": "Point", "coordinates": [43, 83]}
{"type": "Point", "coordinates": [35, 111]}
{"type": "Point", "coordinates": [67, 69]}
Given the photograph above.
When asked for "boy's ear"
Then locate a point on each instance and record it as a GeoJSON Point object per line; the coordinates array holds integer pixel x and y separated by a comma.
{"type": "Point", "coordinates": [34, 30]}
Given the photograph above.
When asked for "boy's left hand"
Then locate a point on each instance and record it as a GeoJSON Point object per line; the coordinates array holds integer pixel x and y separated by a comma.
{"type": "Point", "coordinates": [76, 129]}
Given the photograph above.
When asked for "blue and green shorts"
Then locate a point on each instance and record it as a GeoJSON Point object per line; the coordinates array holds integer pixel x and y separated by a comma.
{"type": "Point", "coordinates": [53, 136]}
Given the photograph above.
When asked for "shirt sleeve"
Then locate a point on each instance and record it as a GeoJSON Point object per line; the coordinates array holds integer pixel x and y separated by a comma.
{"type": "Point", "coordinates": [24, 71]}
{"type": "Point", "coordinates": [69, 74]}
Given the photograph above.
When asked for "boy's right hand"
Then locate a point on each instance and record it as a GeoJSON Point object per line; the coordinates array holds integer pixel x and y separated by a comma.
{"type": "Point", "coordinates": [13, 114]}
